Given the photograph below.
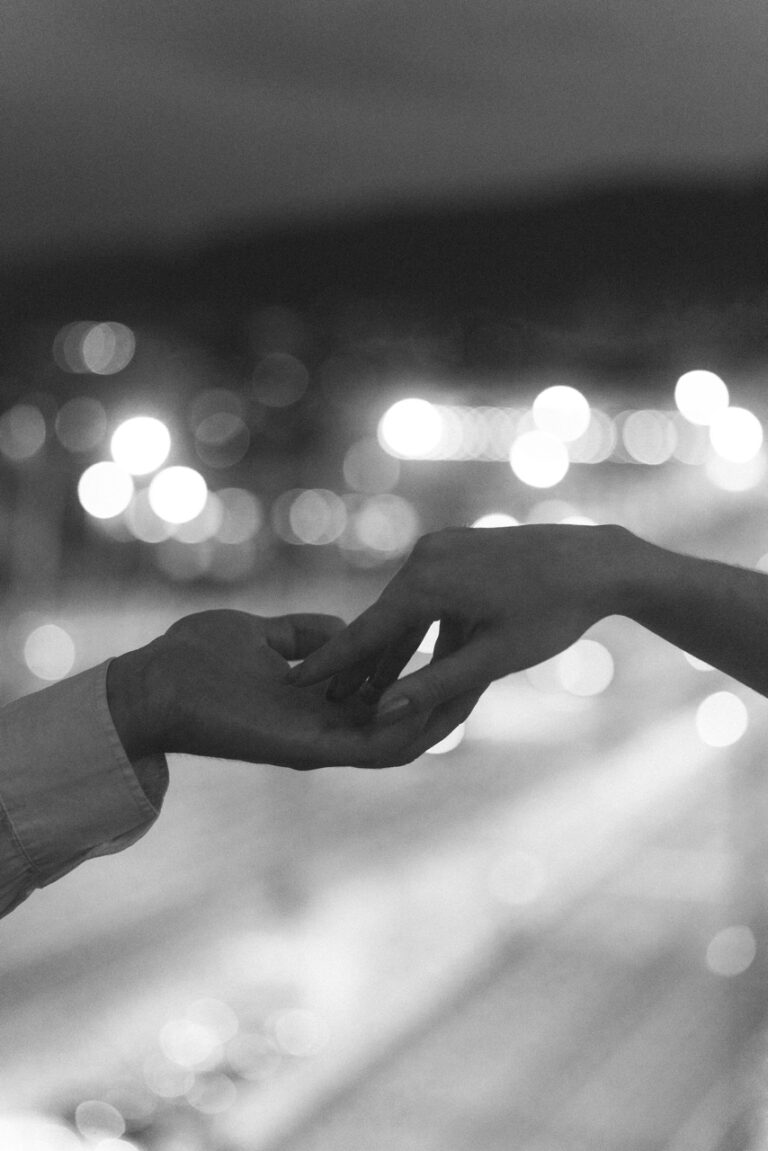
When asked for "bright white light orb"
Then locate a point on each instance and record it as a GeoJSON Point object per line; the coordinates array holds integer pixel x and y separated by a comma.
{"type": "Point", "coordinates": [721, 719]}
{"type": "Point", "coordinates": [730, 476]}
{"type": "Point", "coordinates": [731, 951]}
{"type": "Point", "coordinates": [49, 652]}
{"type": "Point", "coordinates": [178, 494]}
{"type": "Point", "coordinates": [562, 411]}
{"type": "Point", "coordinates": [736, 434]}
{"type": "Point", "coordinates": [141, 445]}
{"type": "Point", "coordinates": [539, 459]}
{"type": "Point", "coordinates": [25, 1132]}
{"type": "Point", "coordinates": [317, 516]}
{"type": "Point", "coordinates": [495, 520]}
{"type": "Point", "coordinates": [649, 436]}
{"type": "Point", "coordinates": [411, 429]}
{"type": "Point", "coordinates": [701, 396]}
{"type": "Point", "coordinates": [585, 668]}
{"type": "Point", "coordinates": [450, 742]}
{"type": "Point", "coordinates": [105, 490]}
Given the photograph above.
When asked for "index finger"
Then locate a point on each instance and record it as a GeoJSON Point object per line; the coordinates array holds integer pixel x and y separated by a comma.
{"type": "Point", "coordinates": [372, 631]}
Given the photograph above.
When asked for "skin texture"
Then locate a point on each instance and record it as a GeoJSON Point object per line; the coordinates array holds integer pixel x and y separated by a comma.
{"type": "Point", "coordinates": [509, 598]}
{"type": "Point", "coordinates": [215, 685]}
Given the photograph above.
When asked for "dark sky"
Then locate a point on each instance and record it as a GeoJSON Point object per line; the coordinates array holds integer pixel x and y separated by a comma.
{"type": "Point", "coordinates": [148, 119]}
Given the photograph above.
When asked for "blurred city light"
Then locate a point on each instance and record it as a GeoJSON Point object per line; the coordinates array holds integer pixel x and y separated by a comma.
{"type": "Point", "coordinates": [204, 525]}
{"type": "Point", "coordinates": [721, 719]}
{"type": "Point", "coordinates": [562, 411]}
{"type": "Point", "coordinates": [539, 459]}
{"type": "Point", "coordinates": [450, 742]}
{"type": "Point", "coordinates": [279, 380]}
{"type": "Point", "coordinates": [49, 652]}
{"type": "Point", "coordinates": [141, 445]}
{"type": "Point", "coordinates": [27, 1132]}
{"type": "Point", "coordinates": [96, 1121]}
{"type": "Point", "coordinates": [212, 1095]}
{"type": "Point", "coordinates": [222, 439]}
{"type": "Point", "coordinates": [701, 396]}
{"type": "Point", "coordinates": [368, 469]}
{"type": "Point", "coordinates": [736, 434]}
{"type": "Point", "coordinates": [81, 424]}
{"type": "Point", "coordinates": [143, 521]}
{"type": "Point", "coordinates": [317, 516]}
{"type": "Point", "coordinates": [411, 428]}
{"type": "Point", "coordinates": [649, 436]}
{"type": "Point", "coordinates": [732, 476]}
{"type": "Point", "coordinates": [188, 1043]}
{"type": "Point", "coordinates": [586, 668]}
{"type": "Point", "coordinates": [387, 524]}
{"type": "Point", "coordinates": [241, 515]}
{"type": "Point", "coordinates": [105, 490]}
{"type": "Point", "coordinates": [178, 494]}
{"type": "Point", "coordinates": [731, 951]}
{"type": "Point", "coordinates": [22, 432]}
{"type": "Point", "coordinates": [107, 348]}
{"type": "Point", "coordinates": [597, 442]}
{"type": "Point", "coordinates": [495, 520]}
{"type": "Point", "coordinates": [100, 348]}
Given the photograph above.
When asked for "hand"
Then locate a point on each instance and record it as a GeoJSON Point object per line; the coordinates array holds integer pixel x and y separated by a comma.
{"type": "Point", "coordinates": [506, 599]}
{"type": "Point", "coordinates": [214, 685]}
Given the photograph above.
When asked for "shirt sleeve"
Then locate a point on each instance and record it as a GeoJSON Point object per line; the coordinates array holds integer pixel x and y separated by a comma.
{"type": "Point", "coordinates": [68, 791]}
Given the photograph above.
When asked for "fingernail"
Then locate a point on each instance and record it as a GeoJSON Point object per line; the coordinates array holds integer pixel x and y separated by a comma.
{"type": "Point", "coordinates": [392, 709]}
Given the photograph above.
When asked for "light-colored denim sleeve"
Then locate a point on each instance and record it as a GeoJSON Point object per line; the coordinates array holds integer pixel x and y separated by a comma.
{"type": "Point", "coordinates": [68, 791]}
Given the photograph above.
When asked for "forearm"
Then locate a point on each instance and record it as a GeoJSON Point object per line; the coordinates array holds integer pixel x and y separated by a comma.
{"type": "Point", "coordinates": [715, 611]}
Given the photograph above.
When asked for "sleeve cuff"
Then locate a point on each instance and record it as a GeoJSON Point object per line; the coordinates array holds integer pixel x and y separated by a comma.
{"type": "Point", "coordinates": [71, 791]}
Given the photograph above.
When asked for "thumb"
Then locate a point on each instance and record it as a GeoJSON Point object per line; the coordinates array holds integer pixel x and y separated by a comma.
{"type": "Point", "coordinates": [296, 636]}
{"type": "Point", "coordinates": [468, 670]}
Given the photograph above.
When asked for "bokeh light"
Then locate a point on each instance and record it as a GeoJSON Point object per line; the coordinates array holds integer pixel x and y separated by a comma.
{"type": "Point", "coordinates": [97, 1120]}
{"type": "Point", "coordinates": [495, 520]}
{"type": "Point", "coordinates": [450, 742]}
{"type": "Point", "coordinates": [701, 396]}
{"type": "Point", "coordinates": [586, 668]}
{"type": "Point", "coordinates": [100, 348]}
{"type": "Point", "coordinates": [279, 380]}
{"type": "Point", "coordinates": [188, 1043]}
{"type": "Point", "coordinates": [736, 434]}
{"type": "Point", "coordinates": [539, 459]}
{"type": "Point", "coordinates": [49, 652]}
{"type": "Point", "coordinates": [81, 424]}
{"type": "Point", "coordinates": [241, 515]}
{"type": "Point", "coordinates": [299, 1032]}
{"type": "Point", "coordinates": [721, 719]}
{"type": "Point", "coordinates": [649, 436]}
{"type": "Point", "coordinates": [317, 516]}
{"type": "Point", "coordinates": [143, 521]}
{"type": "Point", "coordinates": [597, 442]}
{"type": "Point", "coordinates": [732, 476]}
{"type": "Point", "coordinates": [387, 524]}
{"type": "Point", "coordinates": [141, 445]}
{"type": "Point", "coordinates": [731, 951]}
{"type": "Point", "coordinates": [562, 411]}
{"type": "Point", "coordinates": [28, 1132]}
{"type": "Point", "coordinates": [368, 469]}
{"type": "Point", "coordinates": [204, 525]}
{"type": "Point", "coordinates": [22, 432]}
{"type": "Point", "coordinates": [222, 439]}
{"type": "Point", "coordinates": [178, 494]}
{"type": "Point", "coordinates": [105, 490]}
{"type": "Point", "coordinates": [411, 428]}
{"type": "Point", "coordinates": [107, 348]}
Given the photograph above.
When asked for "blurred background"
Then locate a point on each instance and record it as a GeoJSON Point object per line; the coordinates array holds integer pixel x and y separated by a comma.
{"type": "Point", "coordinates": [284, 287]}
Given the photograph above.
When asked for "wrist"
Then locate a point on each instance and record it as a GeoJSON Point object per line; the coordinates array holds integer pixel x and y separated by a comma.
{"type": "Point", "coordinates": [132, 703]}
{"type": "Point", "coordinates": [643, 576]}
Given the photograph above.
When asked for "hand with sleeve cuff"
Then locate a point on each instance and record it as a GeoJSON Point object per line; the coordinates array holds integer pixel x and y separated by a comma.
{"type": "Point", "coordinates": [215, 685]}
